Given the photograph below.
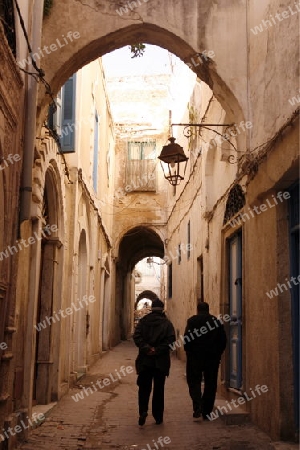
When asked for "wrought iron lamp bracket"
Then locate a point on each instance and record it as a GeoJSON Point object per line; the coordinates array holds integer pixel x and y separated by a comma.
{"type": "Point", "coordinates": [189, 132]}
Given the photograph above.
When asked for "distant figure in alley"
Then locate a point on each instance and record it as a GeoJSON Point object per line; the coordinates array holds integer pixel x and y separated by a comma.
{"type": "Point", "coordinates": [205, 341]}
{"type": "Point", "coordinates": [153, 335]}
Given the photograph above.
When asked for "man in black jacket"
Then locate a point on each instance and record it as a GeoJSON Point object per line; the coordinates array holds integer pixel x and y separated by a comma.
{"type": "Point", "coordinates": [204, 342]}
{"type": "Point", "coordinates": [153, 335]}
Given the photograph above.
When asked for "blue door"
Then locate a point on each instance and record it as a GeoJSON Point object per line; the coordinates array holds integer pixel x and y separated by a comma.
{"type": "Point", "coordinates": [295, 271]}
{"type": "Point", "coordinates": [235, 304]}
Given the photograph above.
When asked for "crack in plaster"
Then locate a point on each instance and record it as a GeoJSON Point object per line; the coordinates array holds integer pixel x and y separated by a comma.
{"type": "Point", "coordinates": [98, 7]}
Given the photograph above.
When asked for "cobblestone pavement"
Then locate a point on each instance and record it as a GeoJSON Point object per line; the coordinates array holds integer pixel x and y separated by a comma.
{"type": "Point", "coordinates": [106, 416]}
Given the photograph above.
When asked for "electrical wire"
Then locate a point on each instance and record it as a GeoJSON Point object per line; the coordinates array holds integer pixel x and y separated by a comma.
{"type": "Point", "coordinates": [55, 136]}
{"type": "Point", "coordinates": [185, 202]}
{"type": "Point", "coordinates": [40, 74]}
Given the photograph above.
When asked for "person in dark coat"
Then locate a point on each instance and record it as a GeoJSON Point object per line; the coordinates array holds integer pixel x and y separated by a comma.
{"type": "Point", "coordinates": [153, 335]}
{"type": "Point", "coordinates": [204, 342]}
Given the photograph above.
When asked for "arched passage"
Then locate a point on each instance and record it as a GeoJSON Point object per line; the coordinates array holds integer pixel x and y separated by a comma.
{"type": "Point", "coordinates": [145, 294]}
{"type": "Point", "coordinates": [136, 244]}
{"type": "Point", "coordinates": [108, 31]}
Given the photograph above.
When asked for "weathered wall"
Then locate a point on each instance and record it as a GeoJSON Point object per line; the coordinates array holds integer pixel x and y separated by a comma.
{"type": "Point", "coordinates": [64, 196]}
{"type": "Point", "coordinates": [181, 36]}
{"type": "Point", "coordinates": [272, 58]}
{"type": "Point", "coordinates": [267, 262]}
{"type": "Point", "coordinates": [131, 206]}
{"type": "Point", "coordinates": [253, 76]}
{"type": "Point", "coordinates": [11, 153]}
{"type": "Point", "coordinates": [194, 199]}
{"type": "Point", "coordinates": [267, 323]}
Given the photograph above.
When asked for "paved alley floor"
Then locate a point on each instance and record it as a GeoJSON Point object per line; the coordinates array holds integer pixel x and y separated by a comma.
{"type": "Point", "coordinates": [105, 417]}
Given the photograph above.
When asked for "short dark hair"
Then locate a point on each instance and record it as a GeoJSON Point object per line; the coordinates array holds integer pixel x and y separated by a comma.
{"type": "Point", "coordinates": [203, 307]}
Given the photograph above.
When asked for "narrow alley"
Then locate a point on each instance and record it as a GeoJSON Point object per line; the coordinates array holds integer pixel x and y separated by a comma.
{"type": "Point", "coordinates": [107, 419]}
{"type": "Point", "coordinates": [149, 162]}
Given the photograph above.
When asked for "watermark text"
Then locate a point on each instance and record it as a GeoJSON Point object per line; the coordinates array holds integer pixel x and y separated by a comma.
{"type": "Point", "coordinates": [236, 403]}
{"type": "Point", "coordinates": [256, 210]}
{"type": "Point", "coordinates": [275, 292]}
{"type": "Point", "coordinates": [111, 378]}
{"type": "Point", "coordinates": [47, 49]}
{"type": "Point", "coordinates": [11, 159]}
{"type": "Point", "coordinates": [23, 243]}
{"type": "Point", "coordinates": [274, 20]}
{"type": "Point", "coordinates": [64, 313]}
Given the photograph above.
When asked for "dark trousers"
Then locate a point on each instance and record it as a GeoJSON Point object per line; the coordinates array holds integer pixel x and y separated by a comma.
{"type": "Point", "coordinates": [144, 382]}
{"type": "Point", "coordinates": [195, 369]}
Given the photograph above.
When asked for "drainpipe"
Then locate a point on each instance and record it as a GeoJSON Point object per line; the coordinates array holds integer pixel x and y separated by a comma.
{"type": "Point", "coordinates": [30, 116]}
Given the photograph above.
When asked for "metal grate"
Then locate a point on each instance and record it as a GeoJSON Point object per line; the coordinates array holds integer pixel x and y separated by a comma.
{"type": "Point", "coordinates": [235, 202]}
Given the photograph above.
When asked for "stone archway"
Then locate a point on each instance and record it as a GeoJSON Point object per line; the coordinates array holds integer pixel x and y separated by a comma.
{"type": "Point", "coordinates": [145, 294]}
{"type": "Point", "coordinates": [95, 27]}
{"type": "Point", "coordinates": [136, 244]}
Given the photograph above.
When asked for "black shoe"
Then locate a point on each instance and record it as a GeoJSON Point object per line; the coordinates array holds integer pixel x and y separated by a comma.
{"type": "Point", "coordinates": [158, 421]}
{"type": "Point", "coordinates": [142, 419]}
{"type": "Point", "coordinates": [197, 414]}
{"type": "Point", "coordinates": [205, 416]}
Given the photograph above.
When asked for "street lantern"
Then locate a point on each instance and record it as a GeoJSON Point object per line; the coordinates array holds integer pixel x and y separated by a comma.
{"type": "Point", "coordinates": [173, 155]}
{"type": "Point", "coordinates": [149, 262]}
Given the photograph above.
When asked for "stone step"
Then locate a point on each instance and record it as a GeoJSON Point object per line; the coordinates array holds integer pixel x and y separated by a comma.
{"type": "Point", "coordinates": [237, 415]}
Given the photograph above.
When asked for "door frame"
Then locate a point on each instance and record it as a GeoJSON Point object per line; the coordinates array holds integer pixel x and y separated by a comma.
{"type": "Point", "coordinates": [237, 322]}
{"type": "Point", "coordinates": [294, 271]}
{"type": "Point", "coordinates": [228, 233]}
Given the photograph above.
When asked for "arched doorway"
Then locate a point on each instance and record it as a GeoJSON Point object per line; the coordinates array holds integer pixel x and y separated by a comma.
{"type": "Point", "coordinates": [81, 319]}
{"type": "Point", "coordinates": [136, 244]}
{"type": "Point", "coordinates": [45, 382]}
{"type": "Point", "coordinates": [106, 305]}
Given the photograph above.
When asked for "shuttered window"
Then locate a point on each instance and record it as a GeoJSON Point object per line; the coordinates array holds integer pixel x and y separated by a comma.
{"type": "Point", "coordinates": [63, 120]}
{"type": "Point", "coordinates": [68, 126]}
{"type": "Point", "coordinates": [141, 166]}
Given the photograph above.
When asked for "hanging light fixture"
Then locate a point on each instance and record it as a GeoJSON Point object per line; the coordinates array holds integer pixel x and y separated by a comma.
{"type": "Point", "coordinates": [173, 155]}
{"type": "Point", "coordinates": [149, 262]}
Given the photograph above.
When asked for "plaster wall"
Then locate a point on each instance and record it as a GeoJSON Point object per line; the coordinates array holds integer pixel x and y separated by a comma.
{"type": "Point", "coordinates": [267, 330]}
{"type": "Point", "coordinates": [133, 208]}
{"type": "Point", "coordinates": [82, 249]}
{"type": "Point", "coordinates": [12, 94]}
{"type": "Point", "coordinates": [267, 262]}
{"type": "Point", "coordinates": [192, 202]}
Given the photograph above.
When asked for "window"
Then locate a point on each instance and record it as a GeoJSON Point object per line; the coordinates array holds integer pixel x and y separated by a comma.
{"type": "Point", "coordinates": [63, 120]}
{"type": "Point", "coordinates": [235, 202]}
{"type": "Point", "coordinates": [138, 150]}
{"type": "Point", "coordinates": [179, 254]}
{"type": "Point", "coordinates": [96, 150]}
{"type": "Point", "coordinates": [200, 284]}
{"type": "Point", "coordinates": [170, 281]}
{"type": "Point", "coordinates": [141, 166]}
